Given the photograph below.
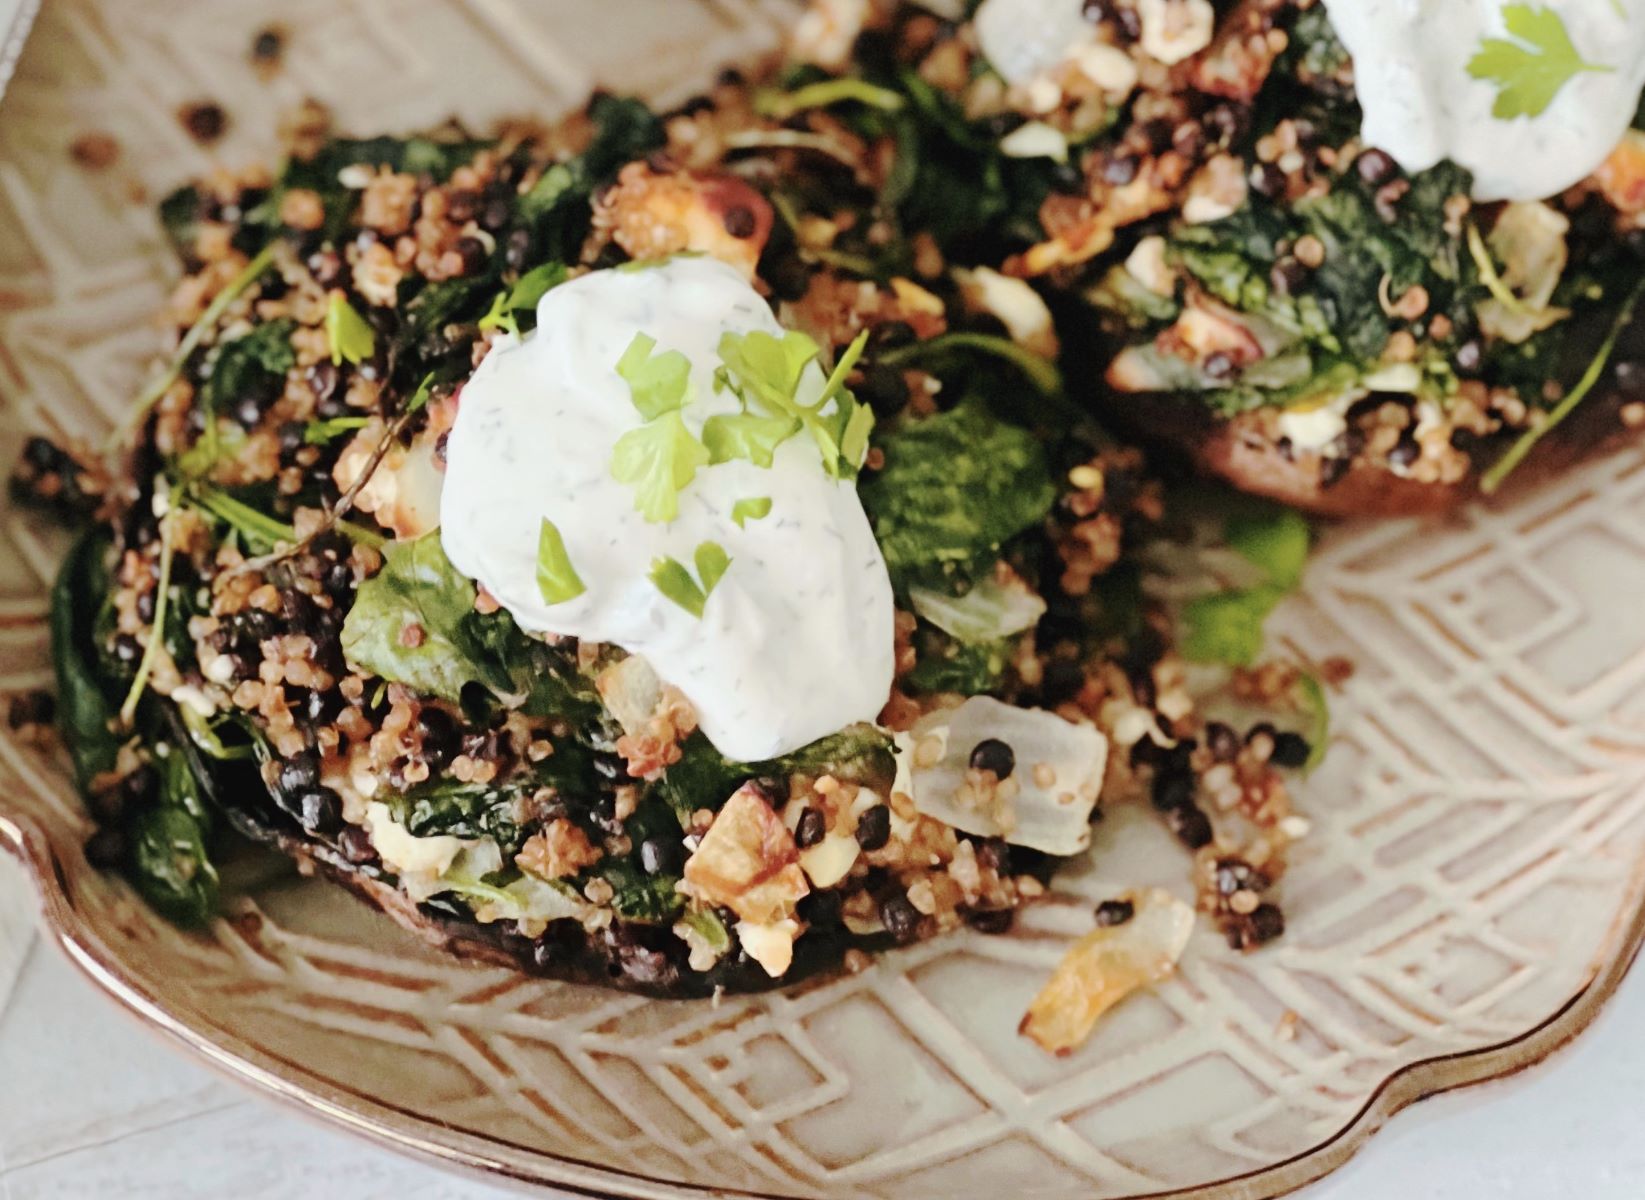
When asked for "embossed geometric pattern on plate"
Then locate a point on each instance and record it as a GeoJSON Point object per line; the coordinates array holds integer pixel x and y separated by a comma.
{"type": "Point", "coordinates": [1478, 827]}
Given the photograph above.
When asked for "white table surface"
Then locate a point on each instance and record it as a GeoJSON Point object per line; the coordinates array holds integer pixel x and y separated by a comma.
{"type": "Point", "coordinates": [92, 1105]}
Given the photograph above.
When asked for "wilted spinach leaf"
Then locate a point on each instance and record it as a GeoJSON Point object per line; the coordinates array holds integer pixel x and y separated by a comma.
{"type": "Point", "coordinates": [409, 623]}
{"type": "Point", "coordinates": [85, 697]}
{"type": "Point", "coordinates": [954, 487]}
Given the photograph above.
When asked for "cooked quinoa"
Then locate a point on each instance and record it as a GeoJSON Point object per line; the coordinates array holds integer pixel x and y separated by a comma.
{"type": "Point", "coordinates": [557, 805]}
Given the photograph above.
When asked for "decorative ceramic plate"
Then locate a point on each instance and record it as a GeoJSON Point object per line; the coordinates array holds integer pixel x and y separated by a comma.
{"type": "Point", "coordinates": [1470, 893]}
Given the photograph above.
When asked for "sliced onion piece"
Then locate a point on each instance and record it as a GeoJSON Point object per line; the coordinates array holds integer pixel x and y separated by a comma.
{"type": "Point", "coordinates": [1048, 801]}
{"type": "Point", "coordinates": [1105, 966]}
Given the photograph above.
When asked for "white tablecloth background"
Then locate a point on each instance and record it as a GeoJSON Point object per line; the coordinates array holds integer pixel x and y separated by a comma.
{"type": "Point", "coordinates": [94, 1106]}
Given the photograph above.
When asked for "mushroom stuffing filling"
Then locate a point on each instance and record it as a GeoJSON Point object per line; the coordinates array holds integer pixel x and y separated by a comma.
{"type": "Point", "coordinates": [680, 550]}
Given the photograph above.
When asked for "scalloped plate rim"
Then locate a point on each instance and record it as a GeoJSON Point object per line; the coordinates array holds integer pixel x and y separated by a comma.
{"type": "Point", "coordinates": [395, 1129]}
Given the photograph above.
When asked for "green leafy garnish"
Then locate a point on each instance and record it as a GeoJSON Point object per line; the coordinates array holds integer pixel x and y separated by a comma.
{"type": "Point", "coordinates": [1505, 465]}
{"type": "Point", "coordinates": [419, 398]}
{"type": "Point", "coordinates": [318, 433]}
{"type": "Point", "coordinates": [1529, 71]}
{"type": "Point", "coordinates": [1039, 370]}
{"type": "Point", "coordinates": [409, 621]}
{"type": "Point", "coordinates": [1318, 711]}
{"type": "Point", "coordinates": [351, 338]}
{"type": "Point", "coordinates": [659, 459]}
{"type": "Point", "coordinates": [953, 488]}
{"type": "Point", "coordinates": [259, 530]}
{"type": "Point", "coordinates": [746, 435]}
{"type": "Point", "coordinates": [824, 93]}
{"type": "Point", "coordinates": [557, 579]}
{"type": "Point", "coordinates": [1227, 627]}
{"type": "Point", "coordinates": [712, 563]}
{"type": "Point", "coordinates": [766, 370]}
{"type": "Point", "coordinates": [755, 508]}
{"type": "Point", "coordinates": [657, 383]}
{"type": "Point", "coordinates": [161, 383]}
{"type": "Point", "coordinates": [524, 294]}
{"type": "Point", "coordinates": [1275, 539]}
{"type": "Point", "coordinates": [662, 456]}
{"type": "Point", "coordinates": [85, 712]}
{"type": "Point", "coordinates": [157, 627]}
{"type": "Point", "coordinates": [674, 580]}
{"type": "Point", "coordinates": [254, 360]}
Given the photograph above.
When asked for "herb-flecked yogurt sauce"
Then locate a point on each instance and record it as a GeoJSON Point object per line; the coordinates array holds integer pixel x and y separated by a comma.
{"type": "Point", "coordinates": [795, 642]}
{"type": "Point", "coordinates": [1422, 104]}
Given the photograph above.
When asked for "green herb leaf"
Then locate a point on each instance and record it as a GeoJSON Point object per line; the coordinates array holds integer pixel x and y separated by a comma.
{"type": "Point", "coordinates": [755, 508]}
{"type": "Point", "coordinates": [1504, 466]}
{"type": "Point", "coordinates": [657, 383]}
{"type": "Point", "coordinates": [673, 580]}
{"type": "Point", "coordinates": [1227, 627]}
{"type": "Point", "coordinates": [659, 459]}
{"type": "Point", "coordinates": [261, 531]}
{"type": "Point", "coordinates": [522, 297]}
{"type": "Point", "coordinates": [319, 433]}
{"type": "Point", "coordinates": [1529, 71]}
{"type": "Point", "coordinates": [419, 398]}
{"type": "Point", "coordinates": [557, 579]}
{"type": "Point", "coordinates": [1038, 370]}
{"type": "Point", "coordinates": [1318, 710]}
{"type": "Point", "coordinates": [254, 360]}
{"type": "Point", "coordinates": [84, 708]}
{"type": "Point", "coordinates": [409, 622]}
{"type": "Point", "coordinates": [747, 436]}
{"type": "Point", "coordinates": [1274, 538]}
{"type": "Point", "coordinates": [350, 337]}
{"type": "Point", "coordinates": [169, 862]}
{"type": "Point", "coordinates": [782, 105]}
{"type": "Point", "coordinates": [535, 284]}
{"type": "Point", "coordinates": [954, 487]}
{"type": "Point", "coordinates": [766, 370]}
{"type": "Point", "coordinates": [161, 383]}
{"type": "Point", "coordinates": [712, 563]}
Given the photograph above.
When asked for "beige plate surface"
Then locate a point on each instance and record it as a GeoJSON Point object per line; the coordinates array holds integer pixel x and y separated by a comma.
{"type": "Point", "coordinates": [1470, 894]}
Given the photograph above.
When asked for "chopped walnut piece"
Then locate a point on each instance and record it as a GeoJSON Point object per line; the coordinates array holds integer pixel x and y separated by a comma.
{"type": "Point", "coordinates": [561, 849]}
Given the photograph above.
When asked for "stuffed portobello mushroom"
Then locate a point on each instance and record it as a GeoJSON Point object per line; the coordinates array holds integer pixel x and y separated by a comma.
{"type": "Point", "coordinates": [654, 550]}
{"type": "Point", "coordinates": [1356, 256]}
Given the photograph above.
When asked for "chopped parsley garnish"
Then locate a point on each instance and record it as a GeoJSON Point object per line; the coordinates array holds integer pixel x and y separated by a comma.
{"type": "Point", "coordinates": [765, 370]}
{"type": "Point", "coordinates": [755, 508]}
{"type": "Point", "coordinates": [657, 383]}
{"type": "Point", "coordinates": [557, 579]}
{"type": "Point", "coordinates": [524, 294]}
{"type": "Point", "coordinates": [662, 456]}
{"type": "Point", "coordinates": [747, 436]}
{"type": "Point", "coordinates": [674, 580]}
{"type": "Point", "coordinates": [318, 433]}
{"type": "Point", "coordinates": [1529, 71]}
{"type": "Point", "coordinates": [659, 459]}
{"type": "Point", "coordinates": [712, 563]}
{"type": "Point", "coordinates": [350, 337]}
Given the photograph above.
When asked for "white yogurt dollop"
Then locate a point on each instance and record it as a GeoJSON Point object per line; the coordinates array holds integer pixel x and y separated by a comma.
{"type": "Point", "coordinates": [795, 642]}
{"type": "Point", "coordinates": [1422, 105]}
